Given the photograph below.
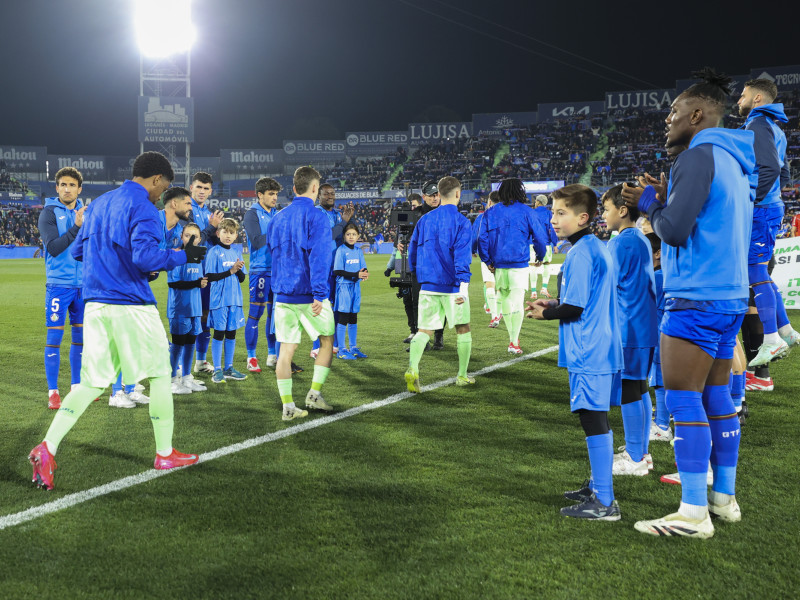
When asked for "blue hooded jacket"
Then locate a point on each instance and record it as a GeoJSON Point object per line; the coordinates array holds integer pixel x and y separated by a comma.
{"type": "Point", "coordinates": [439, 251]}
{"type": "Point", "coordinates": [706, 223]}
{"type": "Point", "coordinates": [58, 231]}
{"type": "Point", "coordinates": [299, 239]}
{"type": "Point", "coordinates": [119, 245]}
{"type": "Point", "coordinates": [256, 221]}
{"type": "Point", "coordinates": [505, 236]}
{"type": "Point", "coordinates": [770, 148]}
{"type": "Point", "coordinates": [545, 216]}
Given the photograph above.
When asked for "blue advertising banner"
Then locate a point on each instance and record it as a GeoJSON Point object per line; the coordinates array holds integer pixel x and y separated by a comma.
{"type": "Point", "coordinates": [311, 151]}
{"type": "Point", "coordinates": [166, 119]}
{"type": "Point", "coordinates": [421, 133]}
{"type": "Point", "coordinates": [640, 99]}
{"type": "Point", "coordinates": [374, 143]}
{"type": "Point", "coordinates": [247, 160]}
{"type": "Point", "coordinates": [786, 78]}
{"type": "Point", "coordinates": [91, 167]}
{"type": "Point", "coordinates": [495, 124]}
{"type": "Point", "coordinates": [550, 111]}
{"type": "Point", "coordinates": [23, 159]}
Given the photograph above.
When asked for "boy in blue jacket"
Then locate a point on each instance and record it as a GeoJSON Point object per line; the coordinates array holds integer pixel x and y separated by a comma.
{"type": "Point", "coordinates": [299, 239]}
{"type": "Point", "coordinates": [589, 344]}
{"type": "Point", "coordinates": [707, 215]}
{"type": "Point", "coordinates": [439, 253]}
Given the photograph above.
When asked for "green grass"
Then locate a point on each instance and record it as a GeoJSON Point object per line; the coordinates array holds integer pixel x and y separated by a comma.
{"type": "Point", "coordinates": [450, 494]}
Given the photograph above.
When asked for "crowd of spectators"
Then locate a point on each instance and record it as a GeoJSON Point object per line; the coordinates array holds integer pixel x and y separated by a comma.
{"type": "Point", "coordinates": [470, 160]}
{"type": "Point", "coordinates": [19, 226]}
{"type": "Point", "coordinates": [10, 183]}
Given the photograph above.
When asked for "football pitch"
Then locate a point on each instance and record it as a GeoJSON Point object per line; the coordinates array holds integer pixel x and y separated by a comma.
{"type": "Point", "coordinates": [452, 493]}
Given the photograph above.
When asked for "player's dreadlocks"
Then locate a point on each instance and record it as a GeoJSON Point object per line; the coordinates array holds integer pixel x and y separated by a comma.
{"type": "Point", "coordinates": [714, 88]}
{"type": "Point", "coordinates": [511, 191]}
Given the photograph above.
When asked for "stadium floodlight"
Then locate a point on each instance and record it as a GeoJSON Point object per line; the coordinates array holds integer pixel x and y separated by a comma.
{"type": "Point", "coordinates": [164, 27]}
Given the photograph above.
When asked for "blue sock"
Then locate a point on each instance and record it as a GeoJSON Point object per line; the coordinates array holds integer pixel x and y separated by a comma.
{"type": "Point", "coordinates": [76, 354]}
{"type": "Point", "coordinates": [270, 331]}
{"type": "Point", "coordinates": [216, 353]}
{"type": "Point", "coordinates": [251, 329]}
{"type": "Point", "coordinates": [725, 436]}
{"type": "Point", "coordinates": [340, 335]}
{"type": "Point", "coordinates": [230, 349]}
{"type": "Point", "coordinates": [315, 345]}
{"type": "Point", "coordinates": [352, 333]}
{"type": "Point", "coordinates": [52, 357]}
{"type": "Point", "coordinates": [781, 318]}
{"type": "Point", "coordinates": [692, 443]}
{"type": "Point", "coordinates": [736, 386]}
{"type": "Point", "coordinates": [662, 414]}
{"type": "Point", "coordinates": [186, 358]}
{"type": "Point", "coordinates": [202, 344]}
{"type": "Point", "coordinates": [175, 353]}
{"type": "Point", "coordinates": [601, 457]}
{"type": "Point", "coordinates": [764, 297]}
{"type": "Point", "coordinates": [632, 423]}
{"type": "Point", "coordinates": [129, 388]}
{"type": "Point", "coordinates": [277, 348]}
{"type": "Point", "coordinates": [647, 416]}
{"type": "Point", "coordinates": [117, 385]}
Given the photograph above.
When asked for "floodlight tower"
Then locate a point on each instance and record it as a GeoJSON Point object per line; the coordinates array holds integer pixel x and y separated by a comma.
{"type": "Point", "coordinates": [166, 111]}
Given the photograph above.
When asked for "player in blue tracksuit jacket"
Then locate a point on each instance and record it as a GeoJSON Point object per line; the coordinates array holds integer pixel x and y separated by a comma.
{"type": "Point", "coordinates": [543, 215]}
{"type": "Point", "coordinates": [350, 269]}
{"type": "Point", "coordinates": [256, 221]}
{"type": "Point", "coordinates": [771, 173]}
{"type": "Point", "coordinates": [59, 224]}
{"type": "Point", "coordinates": [439, 255]}
{"type": "Point", "coordinates": [489, 293]}
{"type": "Point", "coordinates": [504, 245]}
{"type": "Point", "coordinates": [704, 229]}
{"type": "Point", "coordinates": [299, 239]}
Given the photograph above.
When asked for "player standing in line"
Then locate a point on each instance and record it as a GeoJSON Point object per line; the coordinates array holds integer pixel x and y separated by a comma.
{"type": "Point", "coordinates": [638, 325]}
{"type": "Point", "coordinates": [589, 344]}
{"type": "Point", "coordinates": [503, 246]}
{"type": "Point", "coordinates": [350, 269]}
{"type": "Point", "coordinates": [762, 116]}
{"type": "Point", "coordinates": [489, 293]}
{"type": "Point", "coordinates": [118, 244]}
{"type": "Point", "coordinates": [256, 220]}
{"type": "Point", "coordinates": [225, 313]}
{"type": "Point", "coordinates": [299, 239]}
{"type": "Point", "coordinates": [659, 430]}
{"type": "Point", "coordinates": [543, 268]}
{"type": "Point", "coordinates": [201, 189]}
{"type": "Point", "coordinates": [439, 254]}
{"type": "Point", "coordinates": [59, 224]}
{"type": "Point", "coordinates": [708, 213]}
{"type": "Point", "coordinates": [337, 221]}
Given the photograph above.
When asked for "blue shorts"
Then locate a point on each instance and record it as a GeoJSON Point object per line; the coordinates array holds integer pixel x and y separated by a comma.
{"type": "Point", "coordinates": [227, 318]}
{"type": "Point", "coordinates": [62, 300]}
{"type": "Point", "coordinates": [766, 223]}
{"type": "Point", "coordinates": [637, 363]}
{"type": "Point", "coordinates": [594, 392]}
{"type": "Point", "coordinates": [655, 379]}
{"type": "Point", "coordinates": [260, 288]}
{"type": "Point", "coordinates": [186, 325]}
{"type": "Point", "coordinates": [348, 297]}
{"type": "Point", "coordinates": [714, 333]}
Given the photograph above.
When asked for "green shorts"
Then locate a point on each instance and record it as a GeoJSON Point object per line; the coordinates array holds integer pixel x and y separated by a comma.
{"type": "Point", "coordinates": [548, 255]}
{"type": "Point", "coordinates": [511, 279]}
{"type": "Point", "coordinates": [122, 338]}
{"type": "Point", "coordinates": [291, 319]}
{"type": "Point", "coordinates": [435, 307]}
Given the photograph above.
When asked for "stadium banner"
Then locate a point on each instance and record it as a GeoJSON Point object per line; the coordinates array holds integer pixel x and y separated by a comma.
{"type": "Point", "coordinates": [250, 161]}
{"type": "Point", "coordinates": [23, 159]}
{"type": "Point", "coordinates": [494, 125]}
{"type": "Point", "coordinates": [166, 119]}
{"type": "Point", "coordinates": [550, 111]}
{"type": "Point", "coordinates": [640, 99]}
{"type": "Point", "coordinates": [786, 78]}
{"type": "Point", "coordinates": [536, 187]}
{"type": "Point", "coordinates": [230, 203]}
{"type": "Point", "coordinates": [421, 133]}
{"type": "Point", "coordinates": [786, 273]}
{"type": "Point", "coordinates": [310, 151]}
{"type": "Point", "coordinates": [208, 164]}
{"type": "Point", "coordinates": [369, 143]}
{"type": "Point", "coordinates": [11, 251]}
{"type": "Point", "coordinates": [20, 198]}
{"type": "Point", "coordinates": [681, 85]}
{"type": "Point", "coordinates": [344, 196]}
{"type": "Point", "coordinates": [91, 167]}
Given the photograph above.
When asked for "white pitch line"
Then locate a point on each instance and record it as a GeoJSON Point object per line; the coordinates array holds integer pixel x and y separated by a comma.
{"type": "Point", "coordinates": [71, 500]}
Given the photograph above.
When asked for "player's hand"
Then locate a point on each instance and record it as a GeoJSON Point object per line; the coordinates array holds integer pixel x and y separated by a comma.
{"type": "Point", "coordinates": [194, 254]}
{"type": "Point", "coordinates": [538, 263]}
{"type": "Point", "coordinates": [491, 268]}
{"type": "Point", "coordinates": [237, 266]}
{"type": "Point", "coordinates": [363, 274]}
{"type": "Point", "coordinates": [347, 212]}
{"type": "Point", "coordinates": [631, 194]}
{"type": "Point", "coordinates": [660, 185]}
{"type": "Point", "coordinates": [460, 299]}
{"type": "Point", "coordinates": [216, 218]}
{"type": "Point", "coordinates": [79, 216]}
{"type": "Point", "coordinates": [535, 309]}
{"type": "Point", "coordinates": [204, 282]}
{"type": "Point", "coordinates": [316, 308]}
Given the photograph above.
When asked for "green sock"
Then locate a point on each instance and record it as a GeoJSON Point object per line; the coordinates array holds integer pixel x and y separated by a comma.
{"type": "Point", "coordinates": [162, 414]}
{"type": "Point", "coordinates": [464, 349]}
{"type": "Point", "coordinates": [71, 409]}
{"type": "Point", "coordinates": [417, 348]}
{"type": "Point", "coordinates": [285, 390]}
{"type": "Point", "coordinates": [516, 325]}
{"type": "Point", "coordinates": [320, 375]}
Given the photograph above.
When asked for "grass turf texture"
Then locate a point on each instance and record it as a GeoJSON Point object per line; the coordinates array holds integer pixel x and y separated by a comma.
{"type": "Point", "coordinates": [452, 493]}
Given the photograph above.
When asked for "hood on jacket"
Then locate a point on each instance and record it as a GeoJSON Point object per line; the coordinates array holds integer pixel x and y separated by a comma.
{"type": "Point", "coordinates": [738, 142]}
{"type": "Point", "coordinates": [773, 111]}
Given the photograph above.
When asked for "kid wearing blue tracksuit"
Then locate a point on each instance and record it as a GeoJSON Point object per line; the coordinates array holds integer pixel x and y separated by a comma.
{"type": "Point", "coordinates": [350, 269]}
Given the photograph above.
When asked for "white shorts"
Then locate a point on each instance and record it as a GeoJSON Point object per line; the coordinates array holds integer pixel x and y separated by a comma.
{"type": "Point", "coordinates": [486, 273]}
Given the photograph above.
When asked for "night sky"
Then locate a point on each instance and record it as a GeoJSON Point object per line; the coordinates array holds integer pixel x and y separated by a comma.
{"type": "Point", "coordinates": [268, 70]}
